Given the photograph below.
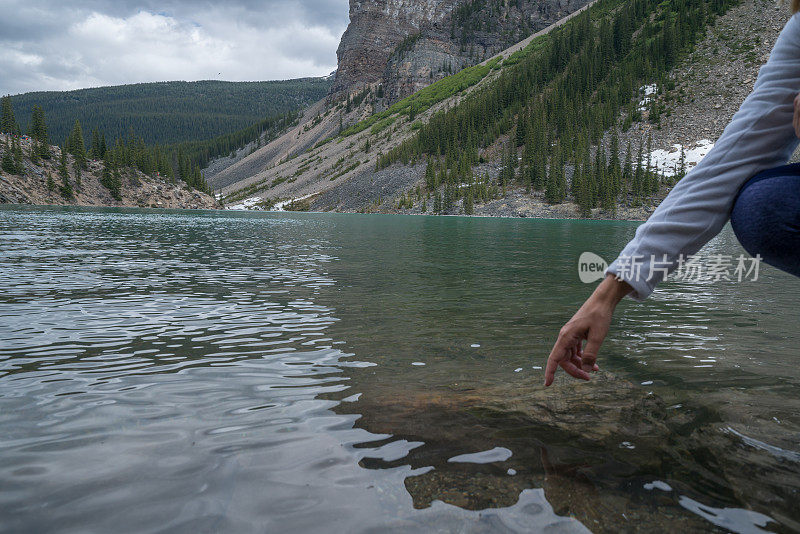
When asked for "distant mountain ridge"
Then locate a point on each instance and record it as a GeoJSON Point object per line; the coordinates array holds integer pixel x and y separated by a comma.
{"type": "Point", "coordinates": [169, 112]}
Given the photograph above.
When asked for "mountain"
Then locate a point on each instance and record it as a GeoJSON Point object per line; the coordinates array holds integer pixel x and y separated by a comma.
{"type": "Point", "coordinates": [597, 116]}
{"type": "Point", "coordinates": [391, 49]}
{"type": "Point", "coordinates": [344, 116]}
{"type": "Point", "coordinates": [169, 112]}
{"type": "Point", "coordinates": [406, 45]}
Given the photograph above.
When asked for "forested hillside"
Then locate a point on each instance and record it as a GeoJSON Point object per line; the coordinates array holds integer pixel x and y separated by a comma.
{"type": "Point", "coordinates": [35, 173]}
{"type": "Point", "coordinates": [169, 112]}
{"type": "Point", "coordinates": [174, 163]}
{"type": "Point", "coordinates": [558, 100]}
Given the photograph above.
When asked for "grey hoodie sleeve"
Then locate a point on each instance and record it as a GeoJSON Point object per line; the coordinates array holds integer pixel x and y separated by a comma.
{"type": "Point", "coordinates": [760, 136]}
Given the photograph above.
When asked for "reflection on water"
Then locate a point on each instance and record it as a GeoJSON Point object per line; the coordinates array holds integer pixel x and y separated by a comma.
{"type": "Point", "coordinates": [249, 372]}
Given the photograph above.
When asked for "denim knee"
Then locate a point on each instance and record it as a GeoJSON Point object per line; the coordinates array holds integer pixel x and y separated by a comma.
{"type": "Point", "coordinates": [766, 221]}
{"type": "Point", "coordinates": [752, 220]}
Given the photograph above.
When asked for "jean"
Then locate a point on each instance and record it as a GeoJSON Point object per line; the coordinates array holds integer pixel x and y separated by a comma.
{"type": "Point", "coordinates": [766, 217]}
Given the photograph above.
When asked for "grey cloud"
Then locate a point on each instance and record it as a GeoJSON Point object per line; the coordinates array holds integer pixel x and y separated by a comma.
{"type": "Point", "coordinates": [55, 45]}
{"type": "Point", "coordinates": [25, 22]}
{"type": "Point", "coordinates": [332, 13]}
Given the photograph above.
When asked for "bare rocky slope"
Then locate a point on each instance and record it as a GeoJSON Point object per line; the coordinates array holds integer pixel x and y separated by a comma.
{"type": "Point", "coordinates": [137, 189]}
{"type": "Point", "coordinates": [339, 173]}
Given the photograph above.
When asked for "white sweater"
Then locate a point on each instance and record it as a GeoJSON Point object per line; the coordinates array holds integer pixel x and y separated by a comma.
{"type": "Point", "coordinates": [759, 137]}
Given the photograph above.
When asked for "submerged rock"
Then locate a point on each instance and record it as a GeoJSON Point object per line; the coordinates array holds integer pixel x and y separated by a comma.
{"type": "Point", "coordinates": [607, 452]}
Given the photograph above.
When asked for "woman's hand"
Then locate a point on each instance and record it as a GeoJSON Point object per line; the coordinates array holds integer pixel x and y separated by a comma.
{"type": "Point", "coordinates": [590, 323]}
{"type": "Point", "coordinates": [797, 115]}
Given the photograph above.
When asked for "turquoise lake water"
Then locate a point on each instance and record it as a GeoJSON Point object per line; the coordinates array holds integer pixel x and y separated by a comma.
{"type": "Point", "coordinates": [292, 372]}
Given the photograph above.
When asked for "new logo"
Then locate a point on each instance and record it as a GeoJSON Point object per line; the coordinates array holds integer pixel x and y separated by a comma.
{"type": "Point", "coordinates": [591, 267]}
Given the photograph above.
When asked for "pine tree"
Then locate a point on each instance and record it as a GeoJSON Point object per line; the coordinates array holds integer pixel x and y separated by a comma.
{"type": "Point", "coordinates": [581, 188]}
{"type": "Point", "coordinates": [652, 174]}
{"type": "Point", "coordinates": [556, 188]}
{"type": "Point", "coordinates": [529, 162]}
{"type": "Point", "coordinates": [430, 175]}
{"type": "Point", "coordinates": [522, 130]}
{"type": "Point", "coordinates": [627, 170]}
{"type": "Point", "coordinates": [639, 175]}
{"type": "Point", "coordinates": [614, 166]}
{"type": "Point", "coordinates": [681, 165]}
{"type": "Point", "coordinates": [66, 186]}
{"type": "Point", "coordinates": [449, 198]}
{"type": "Point", "coordinates": [18, 156]}
{"type": "Point", "coordinates": [183, 166]}
{"type": "Point", "coordinates": [76, 170]}
{"type": "Point", "coordinates": [38, 128]}
{"type": "Point", "coordinates": [468, 203]}
{"type": "Point", "coordinates": [8, 164]}
{"type": "Point", "coordinates": [8, 124]}
{"type": "Point", "coordinates": [509, 167]}
{"type": "Point", "coordinates": [589, 182]}
{"type": "Point", "coordinates": [38, 133]}
{"type": "Point", "coordinates": [110, 178]}
{"type": "Point", "coordinates": [76, 145]}
{"type": "Point", "coordinates": [95, 152]}
{"type": "Point", "coordinates": [605, 186]}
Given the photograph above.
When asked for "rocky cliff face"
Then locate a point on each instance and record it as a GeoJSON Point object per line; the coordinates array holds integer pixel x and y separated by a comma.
{"type": "Point", "coordinates": [376, 28]}
{"type": "Point", "coordinates": [408, 44]}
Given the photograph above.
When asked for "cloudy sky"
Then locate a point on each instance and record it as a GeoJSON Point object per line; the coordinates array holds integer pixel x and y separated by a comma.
{"type": "Point", "coordinates": [72, 44]}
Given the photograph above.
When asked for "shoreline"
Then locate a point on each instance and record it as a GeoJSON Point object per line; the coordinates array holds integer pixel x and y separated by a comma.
{"type": "Point", "coordinates": [122, 204]}
{"type": "Point", "coordinates": [316, 212]}
{"type": "Point", "coordinates": [461, 215]}
{"type": "Point", "coordinates": [5, 205]}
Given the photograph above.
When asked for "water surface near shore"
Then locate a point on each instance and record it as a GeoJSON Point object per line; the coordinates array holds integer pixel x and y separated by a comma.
{"type": "Point", "coordinates": [208, 371]}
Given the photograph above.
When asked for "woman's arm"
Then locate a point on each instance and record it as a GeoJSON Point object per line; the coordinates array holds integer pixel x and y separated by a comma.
{"type": "Point", "coordinates": [760, 136]}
